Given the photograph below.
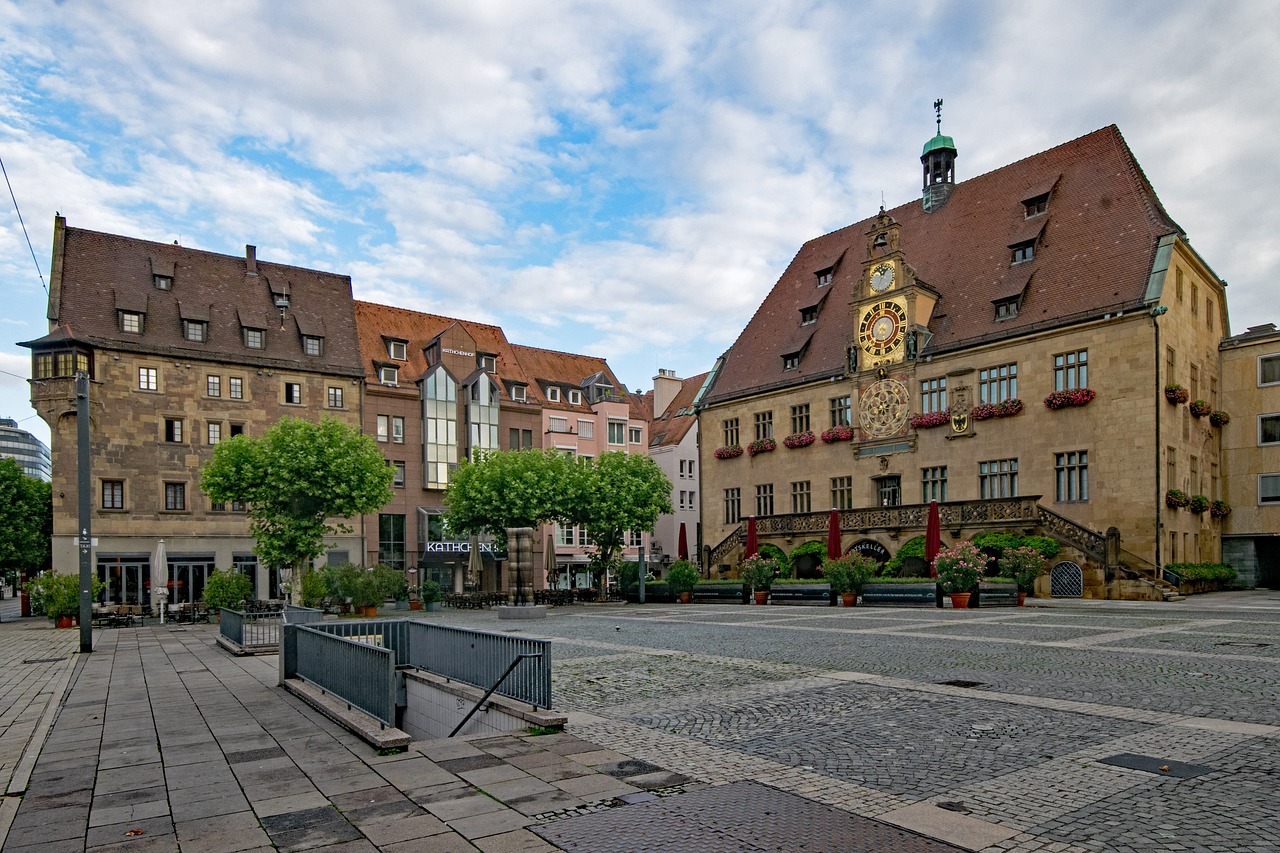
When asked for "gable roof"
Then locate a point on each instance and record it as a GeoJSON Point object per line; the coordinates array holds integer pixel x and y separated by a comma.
{"type": "Point", "coordinates": [569, 370]}
{"type": "Point", "coordinates": [102, 274]}
{"type": "Point", "coordinates": [376, 324]}
{"type": "Point", "coordinates": [1096, 243]}
{"type": "Point", "coordinates": [670, 427]}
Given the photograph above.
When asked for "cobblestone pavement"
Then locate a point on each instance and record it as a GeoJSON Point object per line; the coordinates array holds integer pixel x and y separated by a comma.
{"type": "Point", "coordinates": [1005, 714]}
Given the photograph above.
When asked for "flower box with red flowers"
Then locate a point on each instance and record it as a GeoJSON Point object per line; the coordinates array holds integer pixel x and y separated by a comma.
{"type": "Point", "coordinates": [1176, 499]}
{"type": "Point", "coordinates": [733, 451]}
{"type": "Point", "coordinates": [987, 411]}
{"type": "Point", "coordinates": [761, 445]}
{"type": "Point", "coordinates": [837, 433]}
{"type": "Point", "coordinates": [1176, 394]}
{"type": "Point", "coordinates": [929, 420]}
{"type": "Point", "coordinates": [1200, 408]}
{"type": "Point", "coordinates": [1199, 504]}
{"type": "Point", "coordinates": [1219, 418]}
{"type": "Point", "coordinates": [1070, 397]}
{"type": "Point", "coordinates": [800, 439]}
{"type": "Point", "coordinates": [1219, 509]}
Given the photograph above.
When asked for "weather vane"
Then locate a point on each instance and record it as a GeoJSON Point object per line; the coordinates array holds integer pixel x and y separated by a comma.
{"type": "Point", "coordinates": [937, 108]}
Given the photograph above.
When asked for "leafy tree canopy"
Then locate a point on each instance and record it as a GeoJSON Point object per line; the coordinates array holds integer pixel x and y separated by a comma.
{"type": "Point", "coordinates": [26, 518]}
{"type": "Point", "coordinates": [295, 478]}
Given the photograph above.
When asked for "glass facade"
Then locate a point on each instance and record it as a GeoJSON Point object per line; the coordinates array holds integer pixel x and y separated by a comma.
{"type": "Point", "coordinates": [440, 427]}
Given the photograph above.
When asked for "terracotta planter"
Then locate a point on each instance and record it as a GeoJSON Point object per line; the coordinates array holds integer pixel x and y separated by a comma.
{"type": "Point", "coordinates": [415, 605]}
{"type": "Point", "coordinates": [849, 599]}
{"type": "Point", "coordinates": [686, 597]}
{"type": "Point", "coordinates": [370, 612]}
{"type": "Point", "coordinates": [1022, 598]}
{"type": "Point", "coordinates": [762, 596]}
{"type": "Point", "coordinates": [66, 621]}
{"type": "Point", "coordinates": [960, 600]}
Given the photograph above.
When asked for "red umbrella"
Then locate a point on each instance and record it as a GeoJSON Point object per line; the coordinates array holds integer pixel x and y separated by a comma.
{"type": "Point", "coordinates": [833, 535]}
{"type": "Point", "coordinates": [933, 537]}
{"type": "Point", "coordinates": [752, 544]}
{"type": "Point", "coordinates": [682, 548]}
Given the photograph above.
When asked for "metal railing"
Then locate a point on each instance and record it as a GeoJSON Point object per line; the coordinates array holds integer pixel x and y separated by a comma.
{"type": "Point", "coordinates": [361, 674]}
{"type": "Point", "coordinates": [295, 615]}
{"type": "Point", "coordinates": [480, 658]}
{"type": "Point", "coordinates": [249, 629]}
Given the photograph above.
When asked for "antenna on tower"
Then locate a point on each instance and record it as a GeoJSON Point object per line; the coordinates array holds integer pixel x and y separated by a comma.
{"type": "Point", "coordinates": [937, 108]}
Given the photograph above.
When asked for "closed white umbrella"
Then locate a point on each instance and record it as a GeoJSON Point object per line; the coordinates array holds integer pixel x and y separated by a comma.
{"type": "Point", "coordinates": [160, 579]}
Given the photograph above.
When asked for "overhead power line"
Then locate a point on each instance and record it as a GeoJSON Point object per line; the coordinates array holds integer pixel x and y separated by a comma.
{"type": "Point", "coordinates": [18, 211]}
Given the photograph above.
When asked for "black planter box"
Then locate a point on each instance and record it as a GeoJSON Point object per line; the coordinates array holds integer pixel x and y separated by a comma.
{"type": "Point", "coordinates": [797, 593]}
{"type": "Point", "coordinates": [720, 593]}
{"type": "Point", "coordinates": [911, 594]}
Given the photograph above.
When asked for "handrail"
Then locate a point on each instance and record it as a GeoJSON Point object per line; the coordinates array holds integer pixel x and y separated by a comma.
{"type": "Point", "coordinates": [495, 686]}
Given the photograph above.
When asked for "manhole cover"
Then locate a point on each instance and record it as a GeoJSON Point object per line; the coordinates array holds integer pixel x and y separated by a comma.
{"type": "Point", "coordinates": [1158, 766]}
{"type": "Point", "coordinates": [741, 817]}
{"type": "Point", "coordinates": [960, 683]}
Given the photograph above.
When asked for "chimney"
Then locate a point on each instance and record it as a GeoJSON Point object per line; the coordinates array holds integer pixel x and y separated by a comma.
{"type": "Point", "coordinates": [665, 388]}
{"type": "Point", "coordinates": [250, 260]}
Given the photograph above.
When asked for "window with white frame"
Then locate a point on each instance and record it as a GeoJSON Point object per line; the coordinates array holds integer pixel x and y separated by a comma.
{"type": "Point", "coordinates": [586, 428]}
{"type": "Point", "coordinates": [293, 393]}
{"type": "Point", "coordinates": [518, 393]}
{"type": "Point", "coordinates": [553, 394]}
{"type": "Point", "coordinates": [113, 494]}
{"type": "Point", "coordinates": [255, 338]}
{"type": "Point", "coordinates": [1269, 488]}
{"type": "Point", "coordinates": [488, 362]}
{"type": "Point", "coordinates": [399, 467]}
{"type": "Point", "coordinates": [148, 378]}
{"type": "Point", "coordinates": [557, 424]}
{"type": "Point", "coordinates": [312, 345]}
{"type": "Point", "coordinates": [634, 434]}
{"type": "Point", "coordinates": [335, 397]}
{"type": "Point", "coordinates": [1269, 429]}
{"type": "Point", "coordinates": [384, 427]}
{"type": "Point", "coordinates": [575, 398]}
{"type": "Point", "coordinates": [214, 431]}
{"type": "Point", "coordinates": [389, 375]}
{"type": "Point", "coordinates": [131, 322]}
{"type": "Point", "coordinates": [617, 432]}
{"type": "Point", "coordinates": [173, 430]}
{"type": "Point", "coordinates": [398, 350]}
{"type": "Point", "coordinates": [235, 388]}
{"type": "Point", "coordinates": [195, 330]}
{"type": "Point", "coordinates": [1268, 369]}
{"type": "Point", "coordinates": [213, 386]}
{"type": "Point", "coordinates": [397, 429]}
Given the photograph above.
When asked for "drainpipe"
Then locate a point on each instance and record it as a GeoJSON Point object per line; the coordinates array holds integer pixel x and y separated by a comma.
{"type": "Point", "coordinates": [1156, 313]}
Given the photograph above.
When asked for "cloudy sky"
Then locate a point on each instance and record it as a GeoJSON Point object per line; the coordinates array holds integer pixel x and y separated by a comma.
{"type": "Point", "coordinates": [625, 179]}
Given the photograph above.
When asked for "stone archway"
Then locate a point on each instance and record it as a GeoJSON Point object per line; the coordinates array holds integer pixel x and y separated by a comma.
{"type": "Point", "coordinates": [1066, 580]}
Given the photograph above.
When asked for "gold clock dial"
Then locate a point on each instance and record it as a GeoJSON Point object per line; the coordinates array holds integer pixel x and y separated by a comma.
{"type": "Point", "coordinates": [882, 328]}
{"type": "Point", "coordinates": [883, 407]}
{"type": "Point", "coordinates": [881, 278]}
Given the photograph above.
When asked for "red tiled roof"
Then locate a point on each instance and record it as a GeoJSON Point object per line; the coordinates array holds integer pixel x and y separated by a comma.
{"type": "Point", "coordinates": [104, 273]}
{"type": "Point", "coordinates": [1096, 245]}
{"type": "Point", "coordinates": [670, 428]}
{"type": "Point", "coordinates": [544, 366]}
{"type": "Point", "coordinates": [377, 324]}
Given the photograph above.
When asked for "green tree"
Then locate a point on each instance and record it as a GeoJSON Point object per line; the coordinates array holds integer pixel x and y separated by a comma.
{"type": "Point", "coordinates": [293, 480]}
{"type": "Point", "coordinates": [26, 519]}
{"type": "Point", "coordinates": [616, 493]}
{"type": "Point", "coordinates": [509, 488]}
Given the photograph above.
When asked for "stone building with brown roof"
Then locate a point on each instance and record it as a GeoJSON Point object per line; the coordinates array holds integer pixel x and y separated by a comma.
{"type": "Point", "coordinates": [184, 348]}
{"type": "Point", "coordinates": [1000, 345]}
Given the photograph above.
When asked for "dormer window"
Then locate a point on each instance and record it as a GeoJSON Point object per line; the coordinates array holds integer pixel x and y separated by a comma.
{"type": "Point", "coordinates": [809, 315]}
{"type": "Point", "coordinates": [553, 394]}
{"type": "Point", "coordinates": [575, 398]}
{"type": "Point", "coordinates": [255, 338]}
{"type": "Point", "coordinates": [131, 322]}
{"type": "Point", "coordinates": [389, 375]}
{"type": "Point", "coordinates": [162, 282]}
{"type": "Point", "coordinates": [1006, 309]}
{"type": "Point", "coordinates": [195, 330]}
{"type": "Point", "coordinates": [398, 350]}
{"type": "Point", "coordinates": [1023, 252]}
{"type": "Point", "coordinates": [1035, 206]}
{"type": "Point", "coordinates": [488, 363]}
{"type": "Point", "coordinates": [824, 276]}
{"type": "Point", "coordinates": [312, 345]}
{"type": "Point", "coordinates": [518, 393]}
{"type": "Point", "coordinates": [791, 361]}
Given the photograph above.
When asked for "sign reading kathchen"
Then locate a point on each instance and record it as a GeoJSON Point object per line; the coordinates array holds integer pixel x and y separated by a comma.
{"type": "Point", "coordinates": [458, 352]}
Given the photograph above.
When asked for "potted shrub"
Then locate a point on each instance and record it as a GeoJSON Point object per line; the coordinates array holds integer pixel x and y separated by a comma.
{"type": "Point", "coordinates": [681, 578]}
{"type": "Point", "coordinates": [1198, 504]}
{"type": "Point", "coordinates": [758, 573]}
{"type": "Point", "coordinates": [959, 569]}
{"type": "Point", "coordinates": [1022, 565]}
{"type": "Point", "coordinates": [430, 594]}
{"type": "Point", "coordinates": [1219, 509]}
{"type": "Point", "coordinates": [1219, 418]}
{"type": "Point", "coordinates": [226, 588]}
{"type": "Point", "coordinates": [1176, 499]}
{"type": "Point", "coordinates": [1200, 408]}
{"type": "Point", "coordinates": [847, 575]}
{"type": "Point", "coordinates": [1176, 394]}
{"type": "Point", "coordinates": [58, 596]}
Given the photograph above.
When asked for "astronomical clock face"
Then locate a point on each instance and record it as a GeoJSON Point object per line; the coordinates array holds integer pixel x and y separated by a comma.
{"type": "Point", "coordinates": [881, 277]}
{"type": "Point", "coordinates": [882, 328]}
{"type": "Point", "coordinates": [883, 407]}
